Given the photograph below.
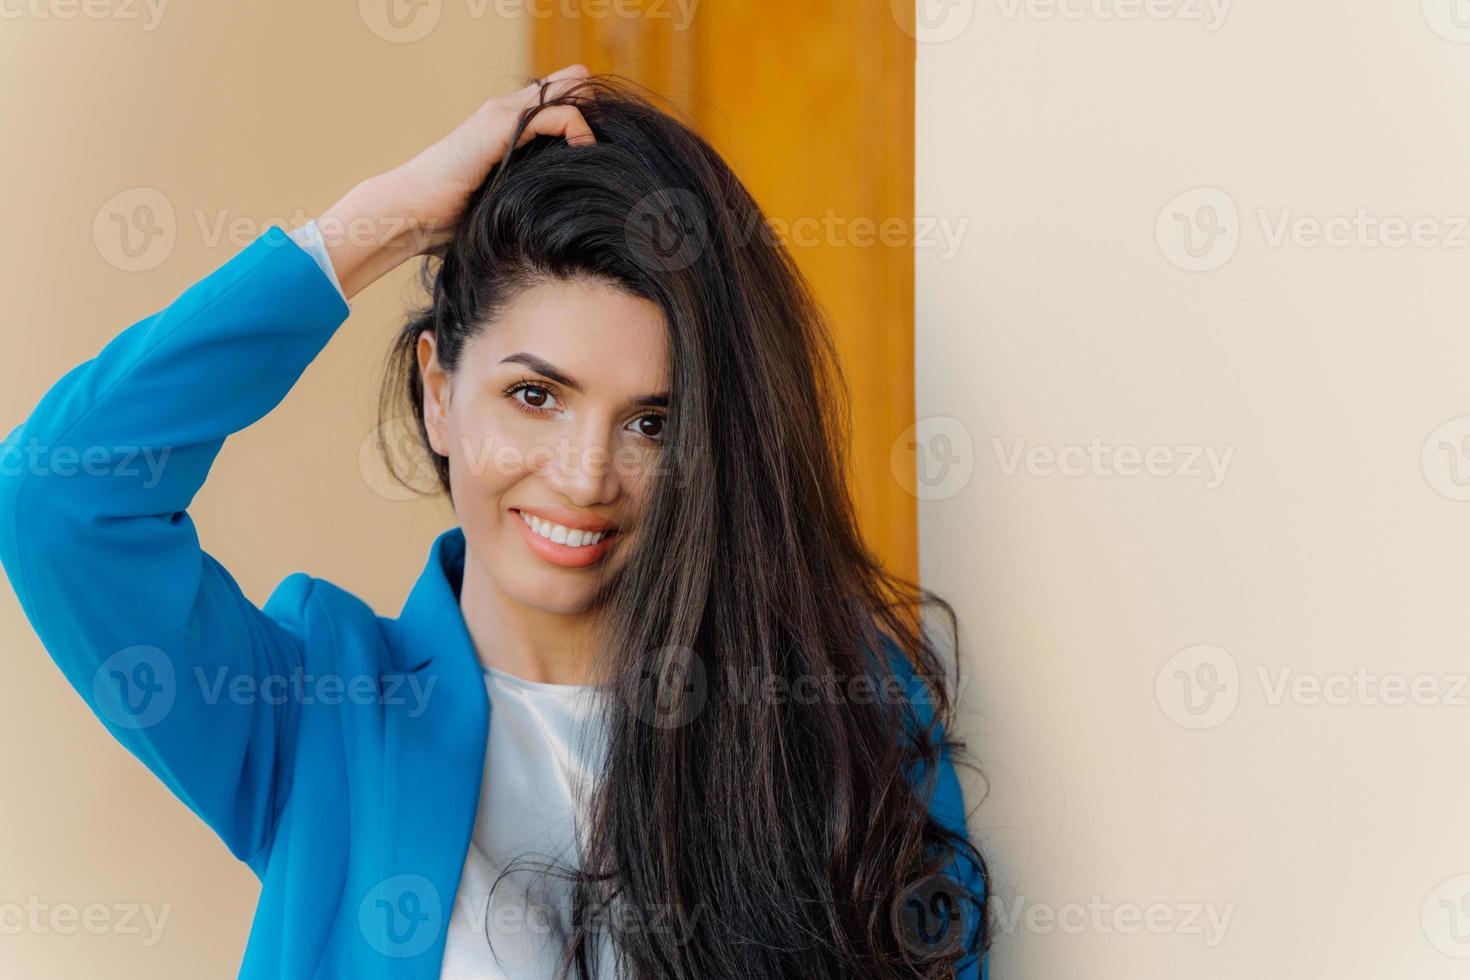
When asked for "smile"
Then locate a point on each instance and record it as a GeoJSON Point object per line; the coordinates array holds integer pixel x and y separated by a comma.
{"type": "Point", "coordinates": [566, 547]}
{"type": "Point", "coordinates": [560, 533]}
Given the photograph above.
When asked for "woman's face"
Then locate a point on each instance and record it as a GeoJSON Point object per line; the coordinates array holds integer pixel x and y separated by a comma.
{"type": "Point", "coordinates": [552, 423]}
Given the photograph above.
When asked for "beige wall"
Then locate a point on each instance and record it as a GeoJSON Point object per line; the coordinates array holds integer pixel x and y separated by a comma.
{"type": "Point", "coordinates": [254, 112]}
{"type": "Point", "coordinates": [1330, 826]}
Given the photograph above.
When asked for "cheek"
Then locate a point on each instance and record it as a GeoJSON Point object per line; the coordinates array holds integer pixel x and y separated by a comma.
{"type": "Point", "coordinates": [638, 471]}
{"type": "Point", "coordinates": [487, 451]}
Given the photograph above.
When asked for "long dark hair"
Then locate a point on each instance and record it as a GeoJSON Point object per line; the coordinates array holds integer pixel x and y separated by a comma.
{"type": "Point", "coordinates": [759, 780]}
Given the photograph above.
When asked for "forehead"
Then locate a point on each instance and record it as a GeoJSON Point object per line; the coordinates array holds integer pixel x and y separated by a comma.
{"type": "Point", "coordinates": [598, 334]}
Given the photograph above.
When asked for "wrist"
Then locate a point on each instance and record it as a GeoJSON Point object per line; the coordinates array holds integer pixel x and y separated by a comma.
{"type": "Point", "coordinates": [371, 231]}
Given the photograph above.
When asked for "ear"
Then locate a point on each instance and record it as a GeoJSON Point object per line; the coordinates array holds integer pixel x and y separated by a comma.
{"type": "Point", "coordinates": [436, 393]}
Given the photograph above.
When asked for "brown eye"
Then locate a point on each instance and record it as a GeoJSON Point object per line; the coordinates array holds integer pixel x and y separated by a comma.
{"type": "Point", "coordinates": [534, 396]}
{"type": "Point", "coordinates": [650, 426]}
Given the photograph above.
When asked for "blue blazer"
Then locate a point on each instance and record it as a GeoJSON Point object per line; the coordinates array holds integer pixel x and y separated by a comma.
{"type": "Point", "coordinates": [336, 752]}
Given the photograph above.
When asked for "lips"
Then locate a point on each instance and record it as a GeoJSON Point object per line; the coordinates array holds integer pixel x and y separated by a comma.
{"type": "Point", "coordinates": [560, 537]}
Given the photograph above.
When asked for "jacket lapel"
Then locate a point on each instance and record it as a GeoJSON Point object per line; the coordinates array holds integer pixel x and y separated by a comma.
{"type": "Point", "coordinates": [436, 722]}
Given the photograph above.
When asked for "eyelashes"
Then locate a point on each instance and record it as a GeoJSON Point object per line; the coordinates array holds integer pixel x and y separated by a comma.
{"type": "Point", "coordinates": [547, 393]}
{"type": "Point", "coordinates": [529, 384]}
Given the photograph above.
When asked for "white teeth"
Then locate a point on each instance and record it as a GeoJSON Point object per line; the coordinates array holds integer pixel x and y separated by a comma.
{"type": "Point", "coordinates": [572, 537]}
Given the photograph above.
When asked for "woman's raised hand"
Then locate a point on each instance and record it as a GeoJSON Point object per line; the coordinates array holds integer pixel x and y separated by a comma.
{"type": "Point", "coordinates": [414, 208]}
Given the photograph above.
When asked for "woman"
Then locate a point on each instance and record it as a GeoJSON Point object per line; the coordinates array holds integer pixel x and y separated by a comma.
{"type": "Point", "coordinates": [651, 710]}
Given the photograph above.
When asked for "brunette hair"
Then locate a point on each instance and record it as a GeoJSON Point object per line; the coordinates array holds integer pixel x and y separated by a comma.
{"type": "Point", "coordinates": [800, 828]}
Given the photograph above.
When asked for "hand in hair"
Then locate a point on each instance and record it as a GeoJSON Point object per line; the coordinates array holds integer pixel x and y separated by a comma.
{"type": "Point", "coordinates": [414, 208]}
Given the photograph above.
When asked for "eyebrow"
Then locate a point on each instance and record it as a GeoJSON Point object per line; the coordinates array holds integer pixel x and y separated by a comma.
{"type": "Point", "coordinates": [549, 370]}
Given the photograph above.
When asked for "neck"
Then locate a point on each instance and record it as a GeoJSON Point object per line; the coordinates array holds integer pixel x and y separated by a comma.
{"type": "Point", "coordinates": [530, 643]}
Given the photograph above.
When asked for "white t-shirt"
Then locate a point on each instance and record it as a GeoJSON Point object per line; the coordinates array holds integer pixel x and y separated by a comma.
{"type": "Point", "coordinates": [540, 765]}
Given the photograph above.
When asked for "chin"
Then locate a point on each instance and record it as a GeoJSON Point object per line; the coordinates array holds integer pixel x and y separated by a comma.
{"type": "Point", "coordinates": [553, 590]}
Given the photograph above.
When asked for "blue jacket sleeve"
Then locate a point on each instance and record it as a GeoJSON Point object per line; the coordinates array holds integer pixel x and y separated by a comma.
{"type": "Point", "coordinates": [97, 543]}
{"type": "Point", "coordinates": [947, 807]}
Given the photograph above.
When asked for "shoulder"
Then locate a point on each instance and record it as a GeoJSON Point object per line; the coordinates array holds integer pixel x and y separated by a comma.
{"type": "Point", "coordinates": [299, 596]}
{"type": "Point", "coordinates": [919, 704]}
{"type": "Point", "coordinates": [915, 691]}
{"type": "Point", "coordinates": [321, 613]}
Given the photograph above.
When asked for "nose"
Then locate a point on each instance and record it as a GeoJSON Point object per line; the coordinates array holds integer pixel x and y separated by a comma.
{"type": "Point", "coordinates": [580, 465]}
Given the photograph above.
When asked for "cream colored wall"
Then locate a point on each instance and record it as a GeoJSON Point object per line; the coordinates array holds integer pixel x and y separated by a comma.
{"type": "Point", "coordinates": [1330, 826]}
{"type": "Point", "coordinates": [250, 112]}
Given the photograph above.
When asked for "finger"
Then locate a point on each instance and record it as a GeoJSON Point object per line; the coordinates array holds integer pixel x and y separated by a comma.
{"type": "Point", "coordinates": [570, 71]}
{"type": "Point", "coordinates": [560, 79]}
{"type": "Point", "coordinates": [557, 87]}
{"type": "Point", "coordinates": [558, 120]}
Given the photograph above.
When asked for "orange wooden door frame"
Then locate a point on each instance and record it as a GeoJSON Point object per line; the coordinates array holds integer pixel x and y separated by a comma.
{"type": "Point", "coordinates": [813, 106]}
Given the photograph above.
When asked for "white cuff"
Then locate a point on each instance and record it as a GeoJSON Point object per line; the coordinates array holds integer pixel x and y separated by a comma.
{"type": "Point", "coordinates": [309, 237]}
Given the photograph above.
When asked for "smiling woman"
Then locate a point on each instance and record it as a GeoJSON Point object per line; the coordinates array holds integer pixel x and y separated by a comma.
{"type": "Point", "coordinates": [574, 454]}
{"type": "Point", "coordinates": [664, 680]}
{"type": "Point", "coordinates": [683, 390]}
